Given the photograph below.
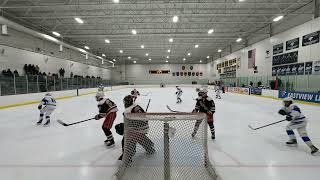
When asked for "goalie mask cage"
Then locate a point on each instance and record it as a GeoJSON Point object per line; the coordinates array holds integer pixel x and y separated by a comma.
{"type": "Point", "coordinates": [159, 146]}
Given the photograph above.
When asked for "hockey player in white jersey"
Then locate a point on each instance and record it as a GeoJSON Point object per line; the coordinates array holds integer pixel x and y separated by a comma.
{"type": "Point", "coordinates": [135, 93]}
{"type": "Point", "coordinates": [46, 107]}
{"type": "Point", "coordinates": [217, 89]}
{"type": "Point", "coordinates": [297, 121]}
{"type": "Point", "coordinates": [179, 94]}
{"type": "Point", "coordinates": [101, 88]}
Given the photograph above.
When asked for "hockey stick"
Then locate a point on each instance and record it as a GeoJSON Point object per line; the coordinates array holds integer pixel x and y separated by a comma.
{"type": "Point", "coordinates": [265, 125]}
{"type": "Point", "coordinates": [174, 110]}
{"type": "Point", "coordinates": [65, 124]}
{"type": "Point", "coordinates": [146, 94]}
{"type": "Point", "coordinates": [148, 105]}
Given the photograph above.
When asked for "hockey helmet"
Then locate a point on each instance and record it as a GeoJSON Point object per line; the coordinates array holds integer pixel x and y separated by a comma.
{"type": "Point", "coordinates": [128, 101]}
{"type": "Point", "coordinates": [287, 101]}
{"type": "Point", "coordinates": [48, 94]}
{"type": "Point", "coordinates": [203, 93]}
{"type": "Point", "coordinates": [99, 95]}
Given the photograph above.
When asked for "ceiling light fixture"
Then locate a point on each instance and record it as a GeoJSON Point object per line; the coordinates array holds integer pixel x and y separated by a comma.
{"type": "Point", "coordinates": [114, 60]}
{"type": "Point", "coordinates": [134, 32]}
{"type": "Point", "coordinates": [208, 57]}
{"type": "Point", "coordinates": [171, 40]}
{"type": "Point", "coordinates": [175, 19]}
{"type": "Point", "coordinates": [56, 34]}
{"type": "Point", "coordinates": [142, 46]}
{"type": "Point", "coordinates": [79, 20]}
{"type": "Point", "coordinates": [277, 18]}
{"type": "Point", "coordinates": [149, 59]}
{"type": "Point", "coordinates": [134, 62]}
{"type": "Point", "coordinates": [168, 57]}
{"type": "Point", "coordinates": [167, 61]}
{"type": "Point", "coordinates": [210, 31]}
{"type": "Point", "coordinates": [103, 55]}
{"type": "Point", "coordinates": [116, 1]}
{"type": "Point", "coordinates": [189, 54]}
{"type": "Point", "coordinates": [169, 50]}
{"type": "Point", "coordinates": [196, 46]}
{"type": "Point", "coordinates": [147, 54]}
{"type": "Point", "coordinates": [86, 47]}
{"type": "Point", "coordinates": [121, 51]}
{"type": "Point", "coordinates": [239, 39]}
{"type": "Point", "coordinates": [184, 59]}
{"type": "Point", "coordinates": [107, 41]}
{"type": "Point", "coordinates": [129, 57]}
{"type": "Point", "coordinates": [219, 50]}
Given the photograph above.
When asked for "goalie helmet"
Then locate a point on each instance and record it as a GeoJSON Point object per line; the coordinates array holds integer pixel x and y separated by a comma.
{"type": "Point", "coordinates": [128, 101]}
{"type": "Point", "coordinates": [99, 96]}
{"type": "Point", "coordinates": [47, 94]}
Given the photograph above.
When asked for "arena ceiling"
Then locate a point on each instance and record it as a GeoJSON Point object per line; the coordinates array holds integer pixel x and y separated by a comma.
{"type": "Point", "coordinates": [107, 25]}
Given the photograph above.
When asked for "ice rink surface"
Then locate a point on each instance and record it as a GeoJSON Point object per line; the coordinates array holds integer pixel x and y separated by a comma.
{"type": "Point", "coordinates": [30, 152]}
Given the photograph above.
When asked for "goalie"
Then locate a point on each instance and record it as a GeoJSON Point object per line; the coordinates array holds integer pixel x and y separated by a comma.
{"type": "Point", "coordinates": [205, 104]}
{"type": "Point", "coordinates": [136, 132]}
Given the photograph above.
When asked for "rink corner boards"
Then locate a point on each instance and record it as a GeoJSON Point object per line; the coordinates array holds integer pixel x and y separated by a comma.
{"type": "Point", "coordinates": [36, 102]}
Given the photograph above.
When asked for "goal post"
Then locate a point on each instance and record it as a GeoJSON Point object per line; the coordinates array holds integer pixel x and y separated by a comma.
{"type": "Point", "coordinates": [159, 146]}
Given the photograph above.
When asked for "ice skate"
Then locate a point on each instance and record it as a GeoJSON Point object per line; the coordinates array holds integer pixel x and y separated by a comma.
{"type": "Point", "coordinates": [292, 142]}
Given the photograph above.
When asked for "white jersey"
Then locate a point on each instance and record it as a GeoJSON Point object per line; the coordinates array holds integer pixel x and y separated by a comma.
{"type": "Point", "coordinates": [295, 113]}
{"type": "Point", "coordinates": [48, 101]}
{"type": "Point", "coordinates": [101, 88]}
{"type": "Point", "coordinates": [179, 92]}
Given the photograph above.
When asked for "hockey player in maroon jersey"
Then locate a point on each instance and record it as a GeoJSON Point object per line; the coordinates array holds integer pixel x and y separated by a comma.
{"type": "Point", "coordinates": [205, 104]}
{"type": "Point", "coordinates": [108, 111]}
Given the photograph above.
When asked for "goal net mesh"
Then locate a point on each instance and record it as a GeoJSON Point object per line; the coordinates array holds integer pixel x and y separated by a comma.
{"type": "Point", "coordinates": [159, 146]}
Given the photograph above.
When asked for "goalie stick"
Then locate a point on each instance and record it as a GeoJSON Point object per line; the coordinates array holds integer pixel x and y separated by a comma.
{"type": "Point", "coordinates": [65, 124]}
{"type": "Point", "coordinates": [265, 125]}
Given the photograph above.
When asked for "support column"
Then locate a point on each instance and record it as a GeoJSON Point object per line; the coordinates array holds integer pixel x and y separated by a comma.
{"type": "Point", "coordinates": [316, 5]}
{"type": "Point", "coordinates": [270, 30]}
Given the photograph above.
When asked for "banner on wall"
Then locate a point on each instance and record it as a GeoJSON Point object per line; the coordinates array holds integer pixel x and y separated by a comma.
{"type": "Point", "coordinates": [256, 91]}
{"type": "Point", "coordinates": [308, 67]}
{"type": "Point", "coordinates": [278, 49]}
{"type": "Point", "coordinates": [302, 96]}
{"type": "Point", "coordinates": [292, 44]}
{"type": "Point", "coordinates": [287, 58]}
{"type": "Point", "coordinates": [310, 39]}
{"type": "Point", "coordinates": [251, 58]}
{"type": "Point", "coordinates": [239, 90]}
{"type": "Point", "coordinates": [316, 67]}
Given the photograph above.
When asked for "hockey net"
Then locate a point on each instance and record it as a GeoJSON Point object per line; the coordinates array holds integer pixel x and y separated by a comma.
{"type": "Point", "coordinates": [165, 150]}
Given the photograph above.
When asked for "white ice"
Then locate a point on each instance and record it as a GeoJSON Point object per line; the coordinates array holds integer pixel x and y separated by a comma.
{"type": "Point", "coordinates": [30, 152]}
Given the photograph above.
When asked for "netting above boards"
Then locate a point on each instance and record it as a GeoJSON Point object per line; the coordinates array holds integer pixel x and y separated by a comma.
{"type": "Point", "coordinates": [159, 146]}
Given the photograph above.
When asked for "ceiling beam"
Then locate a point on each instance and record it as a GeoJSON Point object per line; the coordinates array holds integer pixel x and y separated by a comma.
{"type": "Point", "coordinates": [175, 3]}
{"type": "Point", "coordinates": [159, 15]}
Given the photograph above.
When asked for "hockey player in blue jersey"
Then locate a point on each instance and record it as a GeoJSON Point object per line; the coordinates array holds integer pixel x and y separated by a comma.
{"type": "Point", "coordinates": [297, 121]}
{"type": "Point", "coordinates": [46, 107]}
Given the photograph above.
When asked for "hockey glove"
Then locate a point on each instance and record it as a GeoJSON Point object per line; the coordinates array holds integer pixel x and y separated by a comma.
{"type": "Point", "coordinates": [288, 118]}
{"type": "Point", "coordinates": [40, 107]}
{"type": "Point", "coordinates": [98, 116]}
{"type": "Point", "coordinates": [282, 112]}
{"type": "Point", "coordinates": [120, 129]}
